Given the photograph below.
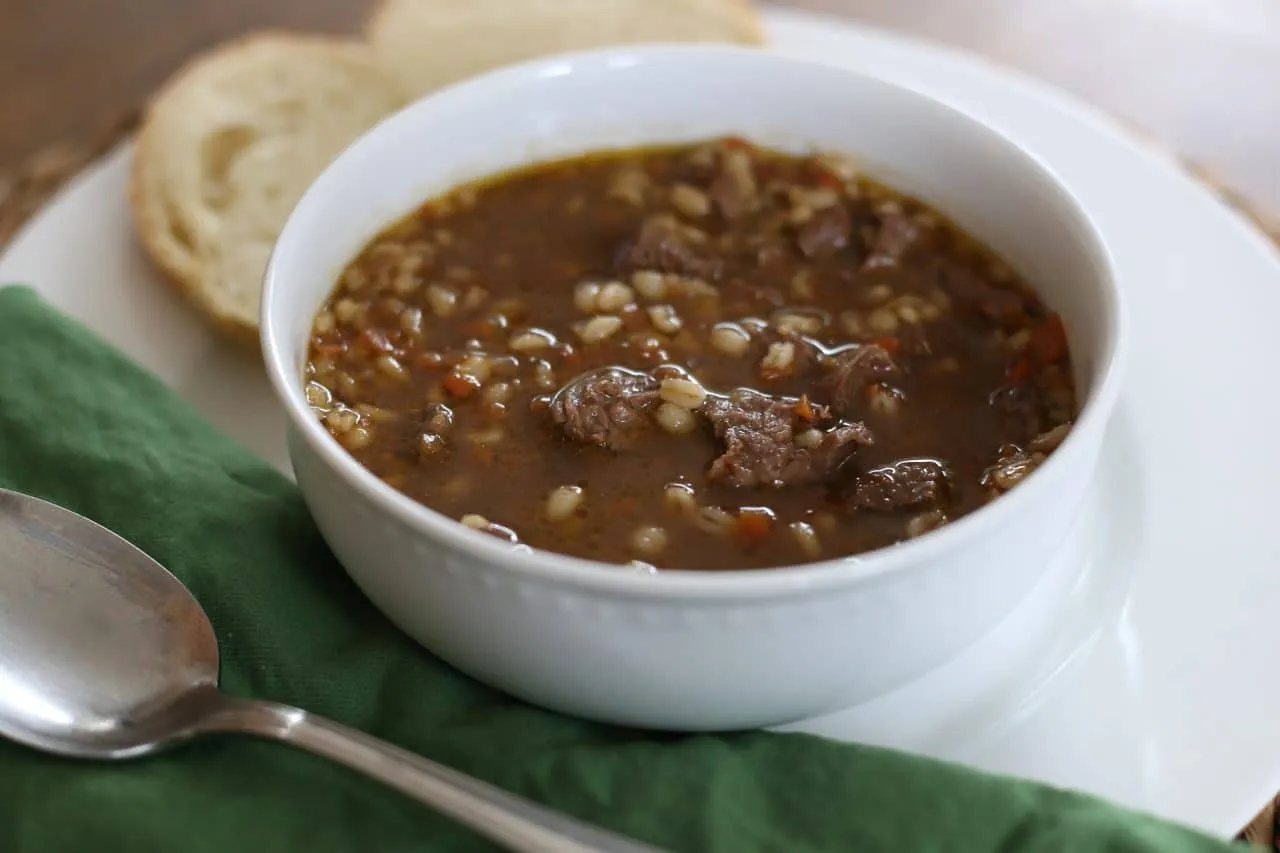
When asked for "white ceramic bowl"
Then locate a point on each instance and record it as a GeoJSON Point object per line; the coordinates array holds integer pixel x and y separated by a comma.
{"type": "Point", "coordinates": [688, 650]}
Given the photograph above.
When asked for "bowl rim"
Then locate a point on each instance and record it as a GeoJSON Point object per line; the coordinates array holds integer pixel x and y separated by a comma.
{"type": "Point", "coordinates": [618, 579]}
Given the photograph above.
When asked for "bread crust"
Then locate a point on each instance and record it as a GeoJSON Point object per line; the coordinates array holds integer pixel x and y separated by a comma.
{"type": "Point", "coordinates": [745, 11]}
{"type": "Point", "coordinates": [736, 22]}
{"type": "Point", "coordinates": [147, 201]}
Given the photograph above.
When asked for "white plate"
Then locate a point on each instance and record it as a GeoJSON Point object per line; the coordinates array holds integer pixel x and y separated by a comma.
{"type": "Point", "coordinates": [1149, 680]}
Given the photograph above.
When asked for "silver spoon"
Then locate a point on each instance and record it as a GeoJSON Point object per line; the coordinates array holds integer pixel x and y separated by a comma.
{"type": "Point", "coordinates": [104, 654]}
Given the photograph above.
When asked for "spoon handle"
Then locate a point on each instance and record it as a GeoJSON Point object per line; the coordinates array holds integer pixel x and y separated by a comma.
{"type": "Point", "coordinates": [511, 821]}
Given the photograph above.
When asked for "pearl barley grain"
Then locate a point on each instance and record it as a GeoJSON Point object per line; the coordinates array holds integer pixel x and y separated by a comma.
{"type": "Point", "coordinates": [564, 502]}
{"type": "Point", "coordinates": [649, 540]}
{"type": "Point", "coordinates": [730, 340]}
{"type": "Point", "coordinates": [614, 296]}
{"type": "Point", "coordinates": [684, 393]}
{"type": "Point", "coordinates": [598, 328]}
{"type": "Point", "coordinates": [650, 284]}
{"type": "Point", "coordinates": [585, 296]}
{"type": "Point", "coordinates": [674, 419]}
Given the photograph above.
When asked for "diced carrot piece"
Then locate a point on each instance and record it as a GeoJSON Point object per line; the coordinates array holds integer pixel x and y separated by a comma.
{"type": "Point", "coordinates": [830, 181]}
{"type": "Point", "coordinates": [1019, 371]}
{"type": "Point", "coordinates": [461, 385]}
{"type": "Point", "coordinates": [753, 526]}
{"type": "Point", "coordinates": [804, 409]}
{"type": "Point", "coordinates": [1048, 344]}
{"type": "Point", "coordinates": [889, 344]}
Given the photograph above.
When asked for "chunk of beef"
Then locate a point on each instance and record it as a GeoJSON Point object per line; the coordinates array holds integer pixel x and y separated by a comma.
{"type": "Point", "coordinates": [852, 372]}
{"type": "Point", "coordinates": [604, 407]}
{"type": "Point", "coordinates": [664, 244]}
{"type": "Point", "coordinates": [909, 484]}
{"type": "Point", "coordinates": [762, 445]}
{"type": "Point", "coordinates": [896, 237]}
{"type": "Point", "coordinates": [826, 232]}
{"type": "Point", "coordinates": [733, 190]}
{"type": "Point", "coordinates": [971, 293]}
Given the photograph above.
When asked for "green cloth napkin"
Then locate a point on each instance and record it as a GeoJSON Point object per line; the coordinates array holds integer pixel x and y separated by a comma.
{"type": "Point", "coordinates": [83, 427]}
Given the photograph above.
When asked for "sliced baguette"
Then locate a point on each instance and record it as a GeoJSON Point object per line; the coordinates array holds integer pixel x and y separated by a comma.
{"type": "Point", "coordinates": [227, 149]}
{"type": "Point", "coordinates": [431, 43]}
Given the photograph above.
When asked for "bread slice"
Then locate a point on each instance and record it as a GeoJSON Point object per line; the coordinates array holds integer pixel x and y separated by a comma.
{"type": "Point", "coordinates": [431, 43]}
{"type": "Point", "coordinates": [227, 149]}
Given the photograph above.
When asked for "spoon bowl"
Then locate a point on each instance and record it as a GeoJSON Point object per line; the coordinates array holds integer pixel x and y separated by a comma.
{"type": "Point", "coordinates": [105, 654]}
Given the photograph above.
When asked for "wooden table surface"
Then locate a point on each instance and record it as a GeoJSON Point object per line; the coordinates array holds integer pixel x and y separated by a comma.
{"type": "Point", "coordinates": [1197, 74]}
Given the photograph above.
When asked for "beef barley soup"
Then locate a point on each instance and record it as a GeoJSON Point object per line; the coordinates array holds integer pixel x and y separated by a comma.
{"type": "Point", "coordinates": [704, 357]}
